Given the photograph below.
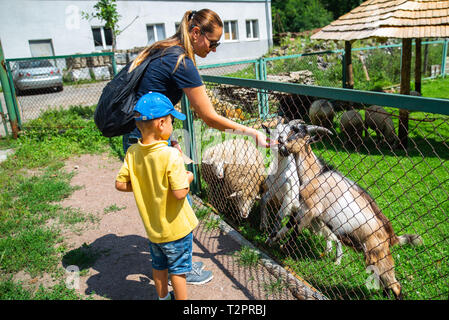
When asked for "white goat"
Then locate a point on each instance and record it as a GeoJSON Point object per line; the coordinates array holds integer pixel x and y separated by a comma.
{"type": "Point", "coordinates": [282, 185]}
{"type": "Point", "coordinates": [344, 207]}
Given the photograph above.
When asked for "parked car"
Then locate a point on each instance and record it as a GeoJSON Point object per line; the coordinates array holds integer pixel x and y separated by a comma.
{"type": "Point", "coordinates": [36, 74]}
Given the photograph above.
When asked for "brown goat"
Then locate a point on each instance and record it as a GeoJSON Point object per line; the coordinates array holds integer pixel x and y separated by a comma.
{"type": "Point", "coordinates": [344, 207]}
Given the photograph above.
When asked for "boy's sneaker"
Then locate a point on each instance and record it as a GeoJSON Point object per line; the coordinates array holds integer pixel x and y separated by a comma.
{"type": "Point", "coordinates": [170, 296]}
{"type": "Point", "coordinates": [199, 276]}
{"type": "Point", "coordinates": [197, 265]}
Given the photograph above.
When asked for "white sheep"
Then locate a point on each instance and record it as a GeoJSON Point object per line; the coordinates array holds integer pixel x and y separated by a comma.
{"type": "Point", "coordinates": [351, 126]}
{"type": "Point", "coordinates": [282, 187]}
{"type": "Point", "coordinates": [235, 172]}
{"type": "Point", "coordinates": [322, 113]}
{"type": "Point", "coordinates": [378, 119]}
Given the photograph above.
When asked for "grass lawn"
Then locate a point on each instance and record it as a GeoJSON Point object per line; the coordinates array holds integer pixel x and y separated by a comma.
{"type": "Point", "coordinates": [436, 88]}
{"type": "Point", "coordinates": [32, 185]}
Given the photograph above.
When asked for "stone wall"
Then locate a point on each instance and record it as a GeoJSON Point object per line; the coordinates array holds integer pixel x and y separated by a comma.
{"type": "Point", "coordinates": [98, 67]}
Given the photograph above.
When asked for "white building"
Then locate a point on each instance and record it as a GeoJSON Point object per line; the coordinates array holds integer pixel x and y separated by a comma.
{"type": "Point", "coordinates": [48, 27]}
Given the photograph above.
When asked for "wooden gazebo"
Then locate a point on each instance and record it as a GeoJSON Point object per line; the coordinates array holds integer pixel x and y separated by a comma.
{"type": "Point", "coordinates": [401, 19]}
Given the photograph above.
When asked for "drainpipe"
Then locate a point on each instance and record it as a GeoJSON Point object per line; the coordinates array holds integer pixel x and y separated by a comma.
{"type": "Point", "coordinates": [269, 27]}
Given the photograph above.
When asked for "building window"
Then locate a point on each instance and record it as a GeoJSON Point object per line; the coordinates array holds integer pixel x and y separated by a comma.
{"type": "Point", "coordinates": [41, 48]}
{"type": "Point", "coordinates": [252, 29]}
{"type": "Point", "coordinates": [230, 30]}
{"type": "Point", "coordinates": [156, 32]}
{"type": "Point", "coordinates": [102, 37]}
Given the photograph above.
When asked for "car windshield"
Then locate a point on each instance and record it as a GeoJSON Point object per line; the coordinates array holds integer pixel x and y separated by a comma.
{"type": "Point", "coordinates": [34, 64]}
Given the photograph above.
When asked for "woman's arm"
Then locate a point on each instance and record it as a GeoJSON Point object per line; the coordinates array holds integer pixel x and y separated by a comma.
{"type": "Point", "coordinates": [203, 107]}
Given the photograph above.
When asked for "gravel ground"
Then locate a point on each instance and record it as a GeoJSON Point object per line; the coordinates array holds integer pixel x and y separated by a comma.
{"type": "Point", "coordinates": [123, 269]}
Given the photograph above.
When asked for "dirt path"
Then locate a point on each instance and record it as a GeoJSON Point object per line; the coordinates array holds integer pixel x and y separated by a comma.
{"type": "Point", "coordinates": [123, 268]}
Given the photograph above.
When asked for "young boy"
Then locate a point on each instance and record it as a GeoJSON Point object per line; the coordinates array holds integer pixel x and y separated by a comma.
{"type": "Point", "coordinates": [156, 175]}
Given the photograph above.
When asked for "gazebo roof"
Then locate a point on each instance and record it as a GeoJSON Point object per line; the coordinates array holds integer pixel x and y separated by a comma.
{"type": "Point", "coordinates": [390, 19]}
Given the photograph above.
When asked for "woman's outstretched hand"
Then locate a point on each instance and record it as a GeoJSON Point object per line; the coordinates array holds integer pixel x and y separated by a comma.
{"type": "Point", "coordinates": [263, 141]}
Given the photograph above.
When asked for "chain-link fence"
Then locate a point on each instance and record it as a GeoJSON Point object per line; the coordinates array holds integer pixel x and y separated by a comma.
{"type": "Point", "coordinates": [379, 67]}
{"type": "Point", "coordinates": [58, 82]}
{"type": "Point", "coordinates": [345, 208]}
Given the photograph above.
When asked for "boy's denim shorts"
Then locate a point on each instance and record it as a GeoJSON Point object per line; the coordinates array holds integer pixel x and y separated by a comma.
{"type": "Point", "coordinates": [176, 256]}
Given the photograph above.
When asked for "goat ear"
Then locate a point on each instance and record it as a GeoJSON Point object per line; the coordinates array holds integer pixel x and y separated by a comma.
{"type": "Point", "coordinates": [280, 119]}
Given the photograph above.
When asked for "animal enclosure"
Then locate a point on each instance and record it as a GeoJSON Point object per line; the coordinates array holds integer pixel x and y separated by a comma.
{"type": "Point", "coordinates": [406, 189]}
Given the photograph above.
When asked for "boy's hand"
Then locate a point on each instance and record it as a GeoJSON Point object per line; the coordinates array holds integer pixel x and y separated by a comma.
{"type": "Point", "coordinates": [189, 176]}
{"type": "Point", "coordinates": [176, 145]}
{"type": "Point", "coordinates": [123, 186]}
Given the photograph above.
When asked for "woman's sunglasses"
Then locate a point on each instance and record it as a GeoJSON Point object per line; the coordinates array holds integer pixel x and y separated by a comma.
{"type": "Point", "coordinates": [212, 44]}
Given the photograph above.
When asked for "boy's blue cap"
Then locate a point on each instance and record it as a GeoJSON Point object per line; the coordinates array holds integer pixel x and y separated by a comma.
{"type": "Point", "coordinates": [155, 105]}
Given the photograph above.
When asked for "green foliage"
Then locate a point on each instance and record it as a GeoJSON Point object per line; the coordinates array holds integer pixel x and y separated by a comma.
{"type": "Point", "coordinates": [106, 10]}
{"type": "Point", "coordinates": [10, 290]}
{"type": "Point", "coordinates": [298, 15]}
{"type": "Point", "coordinates": [247, 257]}
{"type": "Point", "coordinates": [340, 7]}
{"type": "Point", "coordinates": [113, 208]}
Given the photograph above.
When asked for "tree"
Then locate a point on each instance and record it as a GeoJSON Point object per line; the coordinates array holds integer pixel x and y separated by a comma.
{"type": "Point", "coordinates": [106, 10]}
{"type": "Point", "coordinates": [340, 7]}
{"type": "Point", "coordinates": [299, 15]}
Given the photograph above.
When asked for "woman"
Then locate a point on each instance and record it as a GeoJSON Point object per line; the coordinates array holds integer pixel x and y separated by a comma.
{"type": "Point", "coordinates": [176, 73]}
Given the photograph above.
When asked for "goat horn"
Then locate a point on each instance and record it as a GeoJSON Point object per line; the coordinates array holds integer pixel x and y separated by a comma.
{"type": "Point", "coordinates": [267, 130]}
{"type": "Point", "coordinates": [313, 129]}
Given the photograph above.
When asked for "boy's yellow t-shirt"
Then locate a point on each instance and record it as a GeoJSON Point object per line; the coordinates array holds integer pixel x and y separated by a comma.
{"type": "Point", "coordinates": [154, 170]}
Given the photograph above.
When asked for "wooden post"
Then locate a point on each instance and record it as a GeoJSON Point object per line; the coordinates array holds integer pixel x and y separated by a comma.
{"type": "Point", "coordinates": [418, 62]}
{"type": "Point", "coordinates": [348, 60]}
{"type": "Point", "coordinates": [426, 57]}
{"type": "Point", "coordinates": [405, 89]}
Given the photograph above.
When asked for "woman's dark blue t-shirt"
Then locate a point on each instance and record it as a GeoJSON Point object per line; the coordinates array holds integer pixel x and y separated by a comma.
{"type": "Point", "coordinates": [159, 76]}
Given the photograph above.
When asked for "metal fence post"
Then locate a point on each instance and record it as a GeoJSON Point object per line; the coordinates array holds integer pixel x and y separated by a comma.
{"type": "Point", "coordinates": [2, 114]}
{"type": "Point", "coordinates": [261, 74]}
{"type": "Point", "coordinates": [114, 64]}
{"type": "Point", "coordinates": [443, 61]}
{"type": "Point", "coordinates": [13, 94]}
{"type": "Point", "coordinates": [190, 144]}
{"type": "Point", "coordinates": [8, 94]}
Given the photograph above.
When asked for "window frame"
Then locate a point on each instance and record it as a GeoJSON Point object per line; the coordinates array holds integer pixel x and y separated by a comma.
{"type": "Point", "coordinates": [252, 22]}
{"type": "Point", "coordinates": [229, 23]}
{"type": "Point", "coordinates": [104, 45]}
{"type": "Point", "coordinates": [155, 33]}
